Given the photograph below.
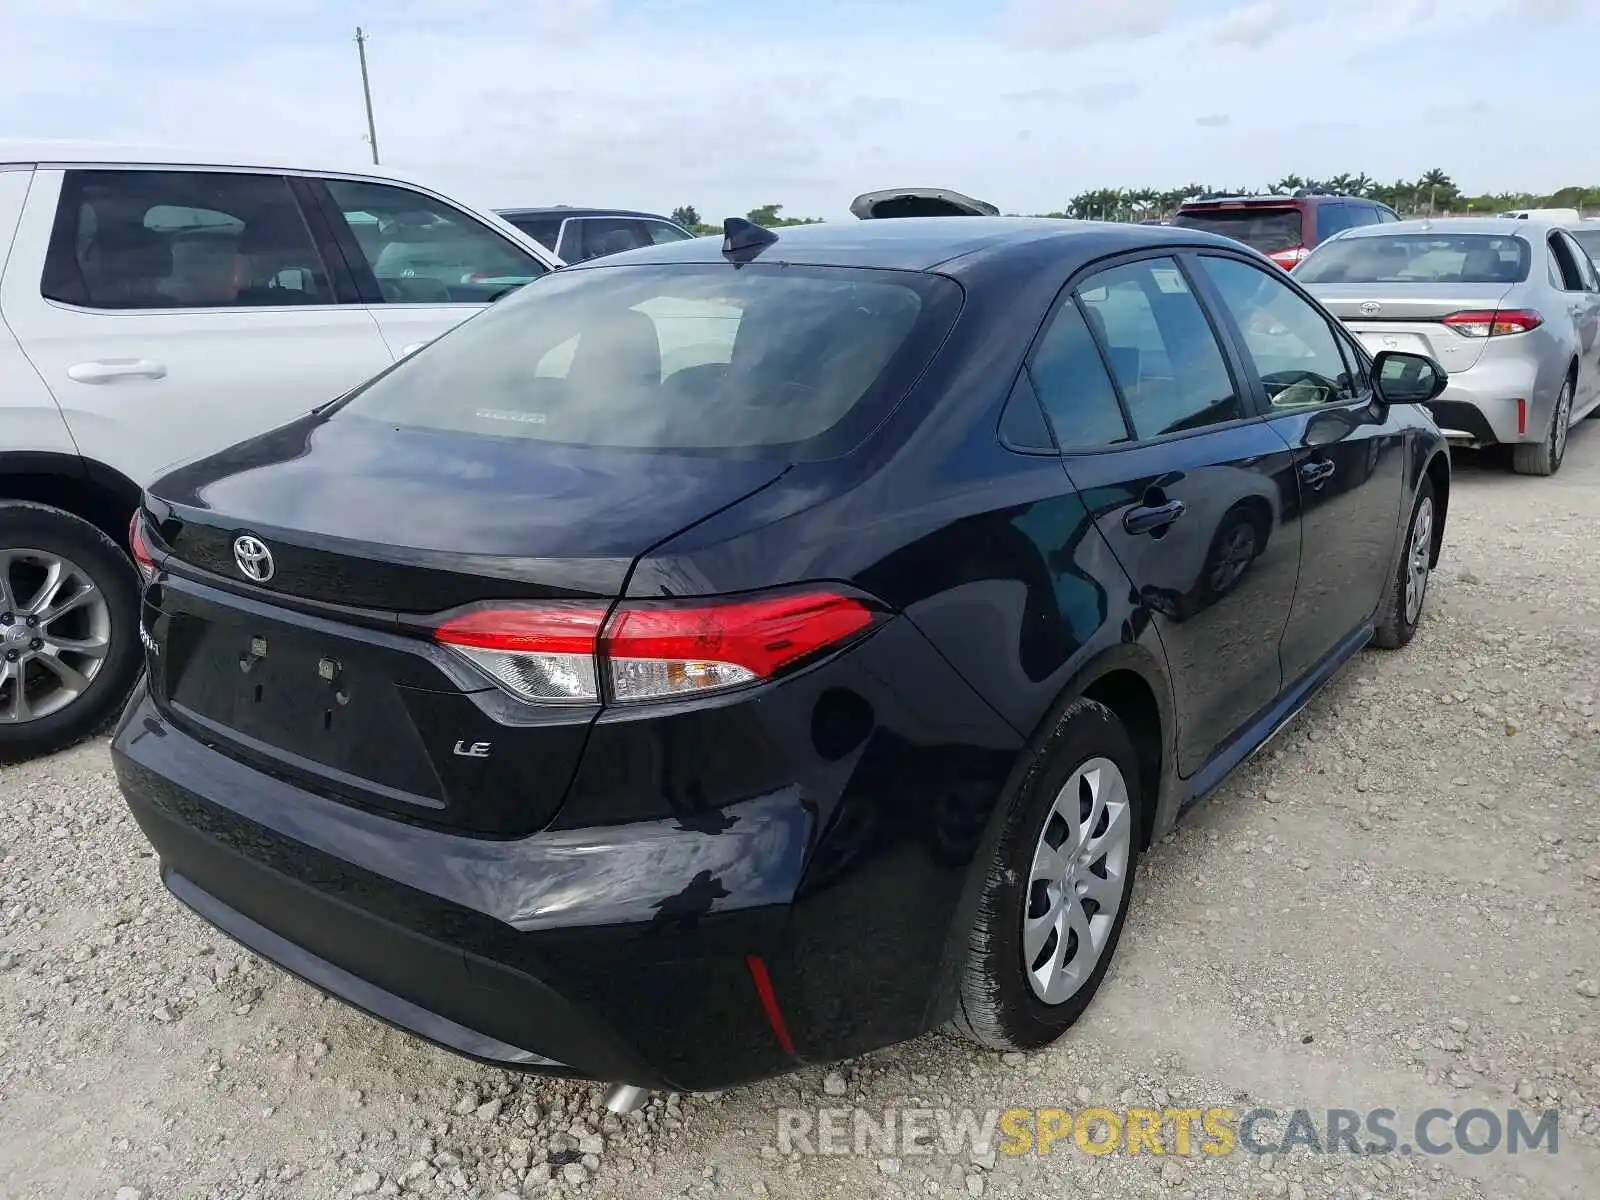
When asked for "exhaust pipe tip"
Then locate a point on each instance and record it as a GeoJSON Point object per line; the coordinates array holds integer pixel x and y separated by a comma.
{"type": "Point", "coordinates": [624, 1098]}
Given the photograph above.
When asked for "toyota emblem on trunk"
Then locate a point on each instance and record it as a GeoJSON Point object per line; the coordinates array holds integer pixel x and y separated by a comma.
{"type": "Point", "coordinates": [1368, 307]}
{"type": "Point", "coordinates": [253, 558]}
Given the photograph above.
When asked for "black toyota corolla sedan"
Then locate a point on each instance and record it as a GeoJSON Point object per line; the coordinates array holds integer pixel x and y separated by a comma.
{"type": "Point", "coordinates": [731, 655]}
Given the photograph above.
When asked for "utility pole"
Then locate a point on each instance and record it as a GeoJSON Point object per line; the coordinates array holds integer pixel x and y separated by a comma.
{"type": "Point", "coordinates": [366, 92]}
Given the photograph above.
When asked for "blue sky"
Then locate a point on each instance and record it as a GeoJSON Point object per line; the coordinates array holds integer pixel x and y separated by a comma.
{"type": "Point", "coordinates": [726, 105]}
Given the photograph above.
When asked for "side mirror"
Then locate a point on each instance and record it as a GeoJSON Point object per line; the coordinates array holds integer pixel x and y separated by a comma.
{"type": "Point", "coordinates": [1402, 378]}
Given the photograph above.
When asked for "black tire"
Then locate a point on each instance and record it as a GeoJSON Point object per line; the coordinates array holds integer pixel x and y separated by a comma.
{"type": "Point", "coordinates": [1545, 457]}
{"type": "Point", "coordinates": [1395, 629]}
{"type": "Point", "coordinates": [39, 527]}
{"type": "Point", "coordinates": [998, 1007]}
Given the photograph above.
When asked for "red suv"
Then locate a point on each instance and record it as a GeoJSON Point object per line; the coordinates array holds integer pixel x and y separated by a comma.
{"type": "Point", "coordinates": [1284, 228]}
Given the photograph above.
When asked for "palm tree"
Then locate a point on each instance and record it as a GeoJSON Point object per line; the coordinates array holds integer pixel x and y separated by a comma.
{"type": "Point", "coordinates": [1362, 185]}
{"type": "Point", "coordinates": [1289, 183]}
{"type": "Point", "coordinates": [1436, 181]}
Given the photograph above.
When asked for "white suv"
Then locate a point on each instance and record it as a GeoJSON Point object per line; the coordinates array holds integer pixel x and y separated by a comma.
{"type": "Point", "coordinates": [157, 306]}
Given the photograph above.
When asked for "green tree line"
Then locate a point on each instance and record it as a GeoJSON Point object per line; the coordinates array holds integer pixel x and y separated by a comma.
{"type": "Point", "coordinates": [1433, 193]}
{"type": "Point", "coordinates": [769, 215]}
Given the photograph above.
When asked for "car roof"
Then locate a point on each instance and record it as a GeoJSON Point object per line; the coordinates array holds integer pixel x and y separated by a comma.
{"type": "Point", "coordinates": [923, 243]}
{"type": "Point", "coordinates": [568, 210]}
{"type": "Point", "coordinates": [1287, 201]}
{"type": "Point", "coordinates": [68, 152]}
{"type": "Point", "coordinates": [1501, 226]}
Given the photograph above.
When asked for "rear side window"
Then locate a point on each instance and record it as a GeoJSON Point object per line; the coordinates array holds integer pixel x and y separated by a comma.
{"type": "Point", "coordinates": [1070, 378]}
{"type": "Point", "coordinates": [544, 230]}
{"type": "Point", "coordinates": [596, 237]}
{"type": "Point", "coordinates": [1363, 214]}
{"type": "Point", "coordinates": [1163, 354]}
{"type": "Point", "coordinates": [1333, 218]}
{"type": "Point", "coordinates": [675, 357]}
{"type": "Point", "coordinates": [661, 233]}
{"type": "Point", "coordinates": [181, 239]}
{"type": "Point", "coordinates": [1261, 227]}
{"type": "Point", "coordinates": [1418, 258]}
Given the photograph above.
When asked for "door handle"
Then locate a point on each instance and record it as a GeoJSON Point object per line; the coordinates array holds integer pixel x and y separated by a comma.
{"type": "Point", "coordinates": [1149, 518]}
{"type": "Point", "coordinates": [105, 370]}
{"type": "Point", "coordinates": [1317, 473]}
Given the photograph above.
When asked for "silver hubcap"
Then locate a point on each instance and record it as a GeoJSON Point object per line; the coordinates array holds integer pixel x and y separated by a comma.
{"type": "Point", "coordinates": [55, 632]}
{"type": "Point", "coordinates": [1079, 880]}
{"type": "Point", "coordinates": [1420, 562]}
{"type": "Point", "coordinates": [1563, 422]}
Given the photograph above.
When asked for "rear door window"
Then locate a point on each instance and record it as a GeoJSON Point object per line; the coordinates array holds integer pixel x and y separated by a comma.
{"type": "Point", "coordinates": [1163, 354]}
{"type": "Point", "coordinates": [676, 357]}
{"type": "Point", "coordinates": [1262, 227]}
{"type": "Point", "coordinates": [1363, 213]}
{"type": "Point", "coordinates": [424, 251]}
{"type": "Point", "coordinates": [1072, 384]}
{"type": "Point", "coordinates": [182, 239]}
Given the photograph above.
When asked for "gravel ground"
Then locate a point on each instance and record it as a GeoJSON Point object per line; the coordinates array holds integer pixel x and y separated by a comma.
{"type": "Point", "coordinates": [1393, 907]}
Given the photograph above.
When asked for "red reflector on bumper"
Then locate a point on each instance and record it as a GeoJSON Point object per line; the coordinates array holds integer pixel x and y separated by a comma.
{"type": "Point", "coordinates": [769, 1001]}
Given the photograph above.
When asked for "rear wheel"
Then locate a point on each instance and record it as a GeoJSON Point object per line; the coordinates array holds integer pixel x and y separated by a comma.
{"type": "Point", "coordinates": [1057, 890]}
{"type": "Point", "coordinates": [69, 611]}
{"type": "Point", "coordinates": [1544, 457]}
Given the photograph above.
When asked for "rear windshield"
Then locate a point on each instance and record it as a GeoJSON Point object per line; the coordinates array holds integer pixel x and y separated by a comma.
{"type": "Point", "coordinates": [1418, 258]}
{"type": "Point", "coordinates": [1268, 230]}
{"type": "Point", "coordinates": [1589, 239]}
{"type": "Point", "coordinates": [673, 357]}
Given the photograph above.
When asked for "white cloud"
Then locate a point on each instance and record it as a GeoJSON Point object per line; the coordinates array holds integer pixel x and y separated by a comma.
{"type": "Point", "coordinates": [1254, 24]}
{"type": "Point", "coordinates": [1068, 24]}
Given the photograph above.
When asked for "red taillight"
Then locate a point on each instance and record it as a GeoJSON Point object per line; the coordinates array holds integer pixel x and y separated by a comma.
{"type": "Point", "coordinates": [545, 654]}
{"type": "Point", "coordinates": [1291, 258]}
{"type": "Point", "coordinates": [1493, 322]}
{"type": "Point", "coordinates": [550, 653]}
{"type": "Point", "coordinates": [139, 546]}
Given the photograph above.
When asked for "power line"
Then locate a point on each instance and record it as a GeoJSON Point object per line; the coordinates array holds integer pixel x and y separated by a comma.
{"type": "Point", "coordinates": [366, 92]}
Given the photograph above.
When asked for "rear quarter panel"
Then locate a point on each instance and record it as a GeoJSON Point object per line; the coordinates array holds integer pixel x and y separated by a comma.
{"type": "Point", "coordinates": [29, 417]}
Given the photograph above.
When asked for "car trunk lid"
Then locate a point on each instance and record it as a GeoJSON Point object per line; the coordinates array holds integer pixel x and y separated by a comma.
{"type": "Point", "coordinates": [324, 671]}
{"type": "Point", "coordinates": [918, 202]}
{"type": "Point", "coordinates": [1411, 318]}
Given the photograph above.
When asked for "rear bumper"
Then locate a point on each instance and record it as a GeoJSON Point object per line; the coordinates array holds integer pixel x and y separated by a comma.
{"type": "Point", "coordinates": [590, 953]}
{"type": "Point", "coordinates": [617, 943]}
{"type": "Point", "coordinates": [1480, 406]}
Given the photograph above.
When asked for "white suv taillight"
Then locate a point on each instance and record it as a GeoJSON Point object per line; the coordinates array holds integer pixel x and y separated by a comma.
{"type": "Point", "coordinates": [139, 547]}
{"type": "Point", "coordinates": [560, 654]}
